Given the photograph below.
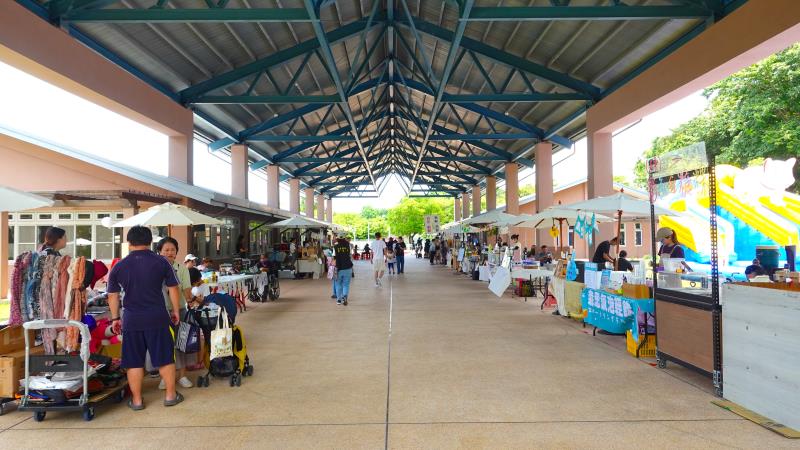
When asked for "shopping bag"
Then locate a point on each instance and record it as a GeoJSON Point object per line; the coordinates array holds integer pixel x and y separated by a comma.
{"type": "Point", "coordinates": [188, 336]}
{"type": "Point", "coordinates": [221, 337]}
{"type": "Point", "coordinates": [500, 281]}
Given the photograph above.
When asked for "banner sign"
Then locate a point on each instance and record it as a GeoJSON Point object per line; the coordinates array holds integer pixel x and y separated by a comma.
{"type": "Point", "coordinates": [432, 223]}
{"type": "Point", "coordinates": [614, 313]}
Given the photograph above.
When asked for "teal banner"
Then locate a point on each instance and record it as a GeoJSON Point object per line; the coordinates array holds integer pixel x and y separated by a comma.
{"type": "Point", "coordinates": [614, 313]}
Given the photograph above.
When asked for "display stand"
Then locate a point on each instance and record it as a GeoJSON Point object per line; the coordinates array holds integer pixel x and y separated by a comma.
{"type": "Point", "coordinates": [688, 321]}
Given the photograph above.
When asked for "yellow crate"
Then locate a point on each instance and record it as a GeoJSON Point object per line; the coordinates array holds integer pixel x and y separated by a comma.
{"type": "Point", "coordinates": [648, 350]}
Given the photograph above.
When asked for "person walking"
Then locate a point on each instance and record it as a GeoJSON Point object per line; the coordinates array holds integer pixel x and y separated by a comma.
{"type": "Point", "coordinates": [391, 259]}
{"type": "Point", "coordinates": [378, 258]}
{"type": "Point", "coordinates": [344, 270]}
{"type": "Point", "coordinates": [432, 251]}
{"type": "Point", "coordinates": [400, 254]}
{"type": "Point", "coordinates": [145, 326]}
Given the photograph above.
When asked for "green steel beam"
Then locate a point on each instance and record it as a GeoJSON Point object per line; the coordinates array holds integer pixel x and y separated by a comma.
{"type": "Point", "coordinates": [295, 138]}
{"type": "Point", "coordinates": [513, 97]}
{"type": "Point", "coordinates": [548, 13]}
{"type": "Point", "coordinates": [263, 99]}
{"type": "Point", "coordinates": [280, 57]}
{"type": "Point", "coordinates": [188, 15]}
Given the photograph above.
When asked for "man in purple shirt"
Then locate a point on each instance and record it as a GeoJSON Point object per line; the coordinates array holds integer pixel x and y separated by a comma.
{"type": "Point", "coordinates": [145, 327]}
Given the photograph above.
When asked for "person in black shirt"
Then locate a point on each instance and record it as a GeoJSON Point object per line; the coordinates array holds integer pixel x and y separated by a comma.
{"type": "Point", "coordinates": [754, 270]}
{"type": "Point", "coordinates": [622, 263]}
{"type": "Point", "coordinates": [400, 254]}
{"type": "Point", "coordinates": [344, 270]}
{"type": "Point", "coordinates": [602, 253]}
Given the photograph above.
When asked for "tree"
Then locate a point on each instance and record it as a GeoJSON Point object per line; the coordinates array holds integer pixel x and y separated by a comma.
{"type": "Point", "coordinates": [408, 218]}
{"type": "Point", "coordinates": [753, 114]}
{"type": "Point", "coordinates": [527, 189]}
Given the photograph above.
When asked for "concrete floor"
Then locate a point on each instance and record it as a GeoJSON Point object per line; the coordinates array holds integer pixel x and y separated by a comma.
{"type": "Point", "coordinates": [431, 360]}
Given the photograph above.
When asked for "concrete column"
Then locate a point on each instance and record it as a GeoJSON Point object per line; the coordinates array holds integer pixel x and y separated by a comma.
{"type": "Point", "coordinates": [329, 210]}
{"type": "Point", "coordinates": [456, 209]}
{"type": "Point", "coordinates": [476, 200]}
{"type": "Point", "coordinates": [309, 202]}
{"type": "Point", "coordinates": [544, 183]}
{"type": "Point", "coordinates": [180, 165]}
{"type": "Point", "coordinates": [512, 188]}
{"type": "Point", "coordinates": [465, 204]}
{"type": "Point", "coordinates": [294, 195]}
{"type": "Point", "coordinates": [491, 193]}
{"type": "Point", "coordinates": [4, 254]}
{"type": "Point", "coordinates": [239, 170]}
{"type": "Point", "coordinates": [320, 207]}
{"type": "Point", "coordinates": [600, 166]}
{"type": "Point", "coordinates": [273, 186]}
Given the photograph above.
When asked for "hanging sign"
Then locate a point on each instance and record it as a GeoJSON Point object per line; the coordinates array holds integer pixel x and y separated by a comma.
{"type": "Point", "coordinates": [432, 223]}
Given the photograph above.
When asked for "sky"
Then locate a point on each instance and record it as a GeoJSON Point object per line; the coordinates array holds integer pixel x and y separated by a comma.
{"type": "Point", "coordinates": [71, 121]}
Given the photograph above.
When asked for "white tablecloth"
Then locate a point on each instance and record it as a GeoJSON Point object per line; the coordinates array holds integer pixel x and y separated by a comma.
{"type": "Point", "coordinates": [227, 283]}
{"type": "Point", "coordinates": [309, 266]}
{"type": "Point", "coordinates": [530, 273]}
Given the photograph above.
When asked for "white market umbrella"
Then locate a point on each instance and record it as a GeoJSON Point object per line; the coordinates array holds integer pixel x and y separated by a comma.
{"type": "Point", "coordinates": [299, 222]}
{"type": "Point", "coordinates": [489, 218]}
{"type": "Point", "coordinates": [620, 205]}
{"type": "Point", "coordinates": [168, 215]}
{"type": "Point", "coordinates": [14, 200]}
{"type": "Point", "coordinates": [81, 242]}
{"type": "Point", "coordinates": [547, 218]}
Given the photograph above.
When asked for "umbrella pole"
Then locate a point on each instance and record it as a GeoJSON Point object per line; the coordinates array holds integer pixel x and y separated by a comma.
{"type": "Point", "coordinates": [169, 230]}
{"type": "Point", "coordinates": [619, 232]}
{"type": "Point", "coordinates": [561, 233]}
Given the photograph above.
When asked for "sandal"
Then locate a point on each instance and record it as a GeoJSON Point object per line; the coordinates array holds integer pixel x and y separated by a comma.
{"type": "Point", "coordinates": [135, 407]}
{"type": "Point", "coordinates": [178, 398]}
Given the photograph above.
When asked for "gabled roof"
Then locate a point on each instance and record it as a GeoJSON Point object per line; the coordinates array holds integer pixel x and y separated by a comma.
{"type": "Point", "coordinates": [344, 93]}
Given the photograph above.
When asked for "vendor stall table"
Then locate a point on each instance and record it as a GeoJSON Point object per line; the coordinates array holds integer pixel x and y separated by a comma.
{"type": "Point", "coordinates": [615, 313]}
{"type": "Point", "coordinates": [568, 296]}
{"type": "Point", "coordinates": [311, 266]}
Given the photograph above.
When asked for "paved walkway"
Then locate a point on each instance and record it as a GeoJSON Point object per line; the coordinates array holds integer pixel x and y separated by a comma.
{"type": "Point", "coordinates": [431, 360]}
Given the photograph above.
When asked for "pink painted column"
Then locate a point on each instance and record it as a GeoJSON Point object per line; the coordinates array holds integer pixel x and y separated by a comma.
{"type": "Point", "coordinates": [456, 209]}
{"type": "Point", "coordinates": [320, 207]}
{"type": "Point", "coordinates": [491, 193]}
{"type": "Point", "coordinates": [239, 170]}
{"type": "Point", "coordinates": [309, 202]}
{"type": "Point", "coordinates": [465, 205]}
{"type": "Point", "coordinates": [180, 165]}
{"type": "Point", "coordinates": [512, 188]}
{"type": "Point", "coordinates": [601, 180]}
{"type": "Point", "coordinates": [4, 254]}
{"type": "Point", "coordinates": [476, 200]}
{"type": "Point", "coordinates": [273, 187]}
{"type": "Point", "coordinates": [329, 210]}
{"type": "Point", "coordinates": [544, 183]}
{"type": "Point", "coordinates": [294, 195]}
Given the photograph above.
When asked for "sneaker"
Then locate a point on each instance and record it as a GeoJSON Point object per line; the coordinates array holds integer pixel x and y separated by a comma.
{"type": "Point", "coordinates": [333, 297]}
{"type": "Point", "coordinates": [153, 374]}
{"type": "Point", "coordinates": [162, 385]}
{"type": "Point", "coordinates": [377, 284]}
{"type": "Point", "coordinates": [185, 382]}
{"type": "Point", "coordinates": [338, 302]}
{"type": "Point", "coordinates": [344, 301]}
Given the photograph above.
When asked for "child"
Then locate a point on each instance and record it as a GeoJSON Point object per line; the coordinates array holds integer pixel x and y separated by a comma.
{"type": "Point", "coordinates": [391, 259]}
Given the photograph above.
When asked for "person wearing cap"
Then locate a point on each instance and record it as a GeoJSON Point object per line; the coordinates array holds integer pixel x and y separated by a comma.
{"type": "Point", "coordinates": [190, 261]}
{"type": "Point", "coordinates": [754, 270]}
{"type": "Point", "coordinates": [670, 247]}
{"type": "Point", "coordinates": [602, 253]}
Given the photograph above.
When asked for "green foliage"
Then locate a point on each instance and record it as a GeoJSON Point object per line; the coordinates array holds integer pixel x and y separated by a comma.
{"type": "Point", "coordinates": [365, 223]}
{"type": "Point", "coordinates": [408, 217]}
{"type": "Point", "coordinates": [754, 113]}
{"type": "Point", "coordinates": [527, 189]}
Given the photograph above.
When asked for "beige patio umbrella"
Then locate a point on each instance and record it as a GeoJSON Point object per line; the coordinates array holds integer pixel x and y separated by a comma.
{"type": "Point", "coordinates": [168, 215]}
{"type": "Point", "coordinates": [549, 216]}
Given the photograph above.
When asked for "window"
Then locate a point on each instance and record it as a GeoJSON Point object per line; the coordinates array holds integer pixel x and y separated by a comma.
{"type": "Point", "coordinates": [27, 239]}
{"type": "Point", "coordinates": [103, 215]}
{"type": "Point", "coordinates": [103, 242]}
{"type": "Point", "coordinates": [65, 217]}
{"type": "Point", "coordinates": [45, 216]}
{"type": "Point", "coordinates": [83, 241]}
{"type": "Point", "coordinates": [622, 237]}
{"type": "Point", "coordinates": [84, 216]}
{"type": "Point", "coordinates": [637, 231]}
{"type": "Point", "coordinates": [26, 217]}
{"type": "Point", "coordinates": [571, 236]}
{"type": "Point", "coordinates": [120, 216]}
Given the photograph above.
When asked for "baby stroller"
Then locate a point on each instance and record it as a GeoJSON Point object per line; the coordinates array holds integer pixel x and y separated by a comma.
{"type": "Point", "coordinates": [232, 367]}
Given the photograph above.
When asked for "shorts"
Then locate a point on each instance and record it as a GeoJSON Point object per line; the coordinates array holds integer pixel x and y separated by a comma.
{"type": "Point", "coordinates": [160, 343]}
{"type": "Point", "coordinates": [378, 265]}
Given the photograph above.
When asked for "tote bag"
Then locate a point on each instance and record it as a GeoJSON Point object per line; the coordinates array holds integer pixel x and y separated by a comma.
{"type": "Point", "coordinates": [188, 336]}
{"type": "Point", "coordinates": [222, 337]}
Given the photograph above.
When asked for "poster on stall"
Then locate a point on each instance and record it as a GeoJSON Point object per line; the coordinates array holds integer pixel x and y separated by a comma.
{"type": "Point", "coordinates": [614, 313]}
{"type": "Point", "coordinates": [432, 223]}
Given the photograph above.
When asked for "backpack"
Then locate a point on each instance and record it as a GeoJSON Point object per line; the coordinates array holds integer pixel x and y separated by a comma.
{"type": "Point", "coordinates": [240, 347]}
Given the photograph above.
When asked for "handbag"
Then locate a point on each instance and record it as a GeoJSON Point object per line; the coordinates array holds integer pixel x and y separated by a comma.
{"type": "Point", "coordinates": [188, 336]}
{"type": "Point", "coordinates": [221, 337]}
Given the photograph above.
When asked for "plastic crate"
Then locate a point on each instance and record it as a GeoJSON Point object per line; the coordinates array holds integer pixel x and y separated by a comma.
{"type": "Point", "coordinates": [648, 350]}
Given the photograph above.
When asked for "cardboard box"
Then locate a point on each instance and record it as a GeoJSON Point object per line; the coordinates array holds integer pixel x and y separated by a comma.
{"type": "Point", "coordinates": [637, 291]}
{"type": "Point", "coordinates": [12, 369]}
{"type": "Point", "coordinates": [12, 339]}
